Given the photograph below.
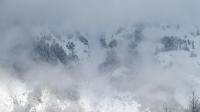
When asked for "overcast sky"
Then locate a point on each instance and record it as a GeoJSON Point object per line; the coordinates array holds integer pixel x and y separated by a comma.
{"type": "Point", "coordinates": [86, 13]}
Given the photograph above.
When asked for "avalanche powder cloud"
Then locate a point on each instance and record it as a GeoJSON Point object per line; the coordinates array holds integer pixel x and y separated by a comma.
{"type": "Point", "coordinates": [100, 56]}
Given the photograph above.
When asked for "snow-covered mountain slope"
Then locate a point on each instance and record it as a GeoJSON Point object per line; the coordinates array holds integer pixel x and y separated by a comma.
{"type": "Point", "coordinates": [121, 45]}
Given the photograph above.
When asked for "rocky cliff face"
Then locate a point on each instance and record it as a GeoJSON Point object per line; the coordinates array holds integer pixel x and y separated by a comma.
{"type": "Point", "coordinates": [65, 49]}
